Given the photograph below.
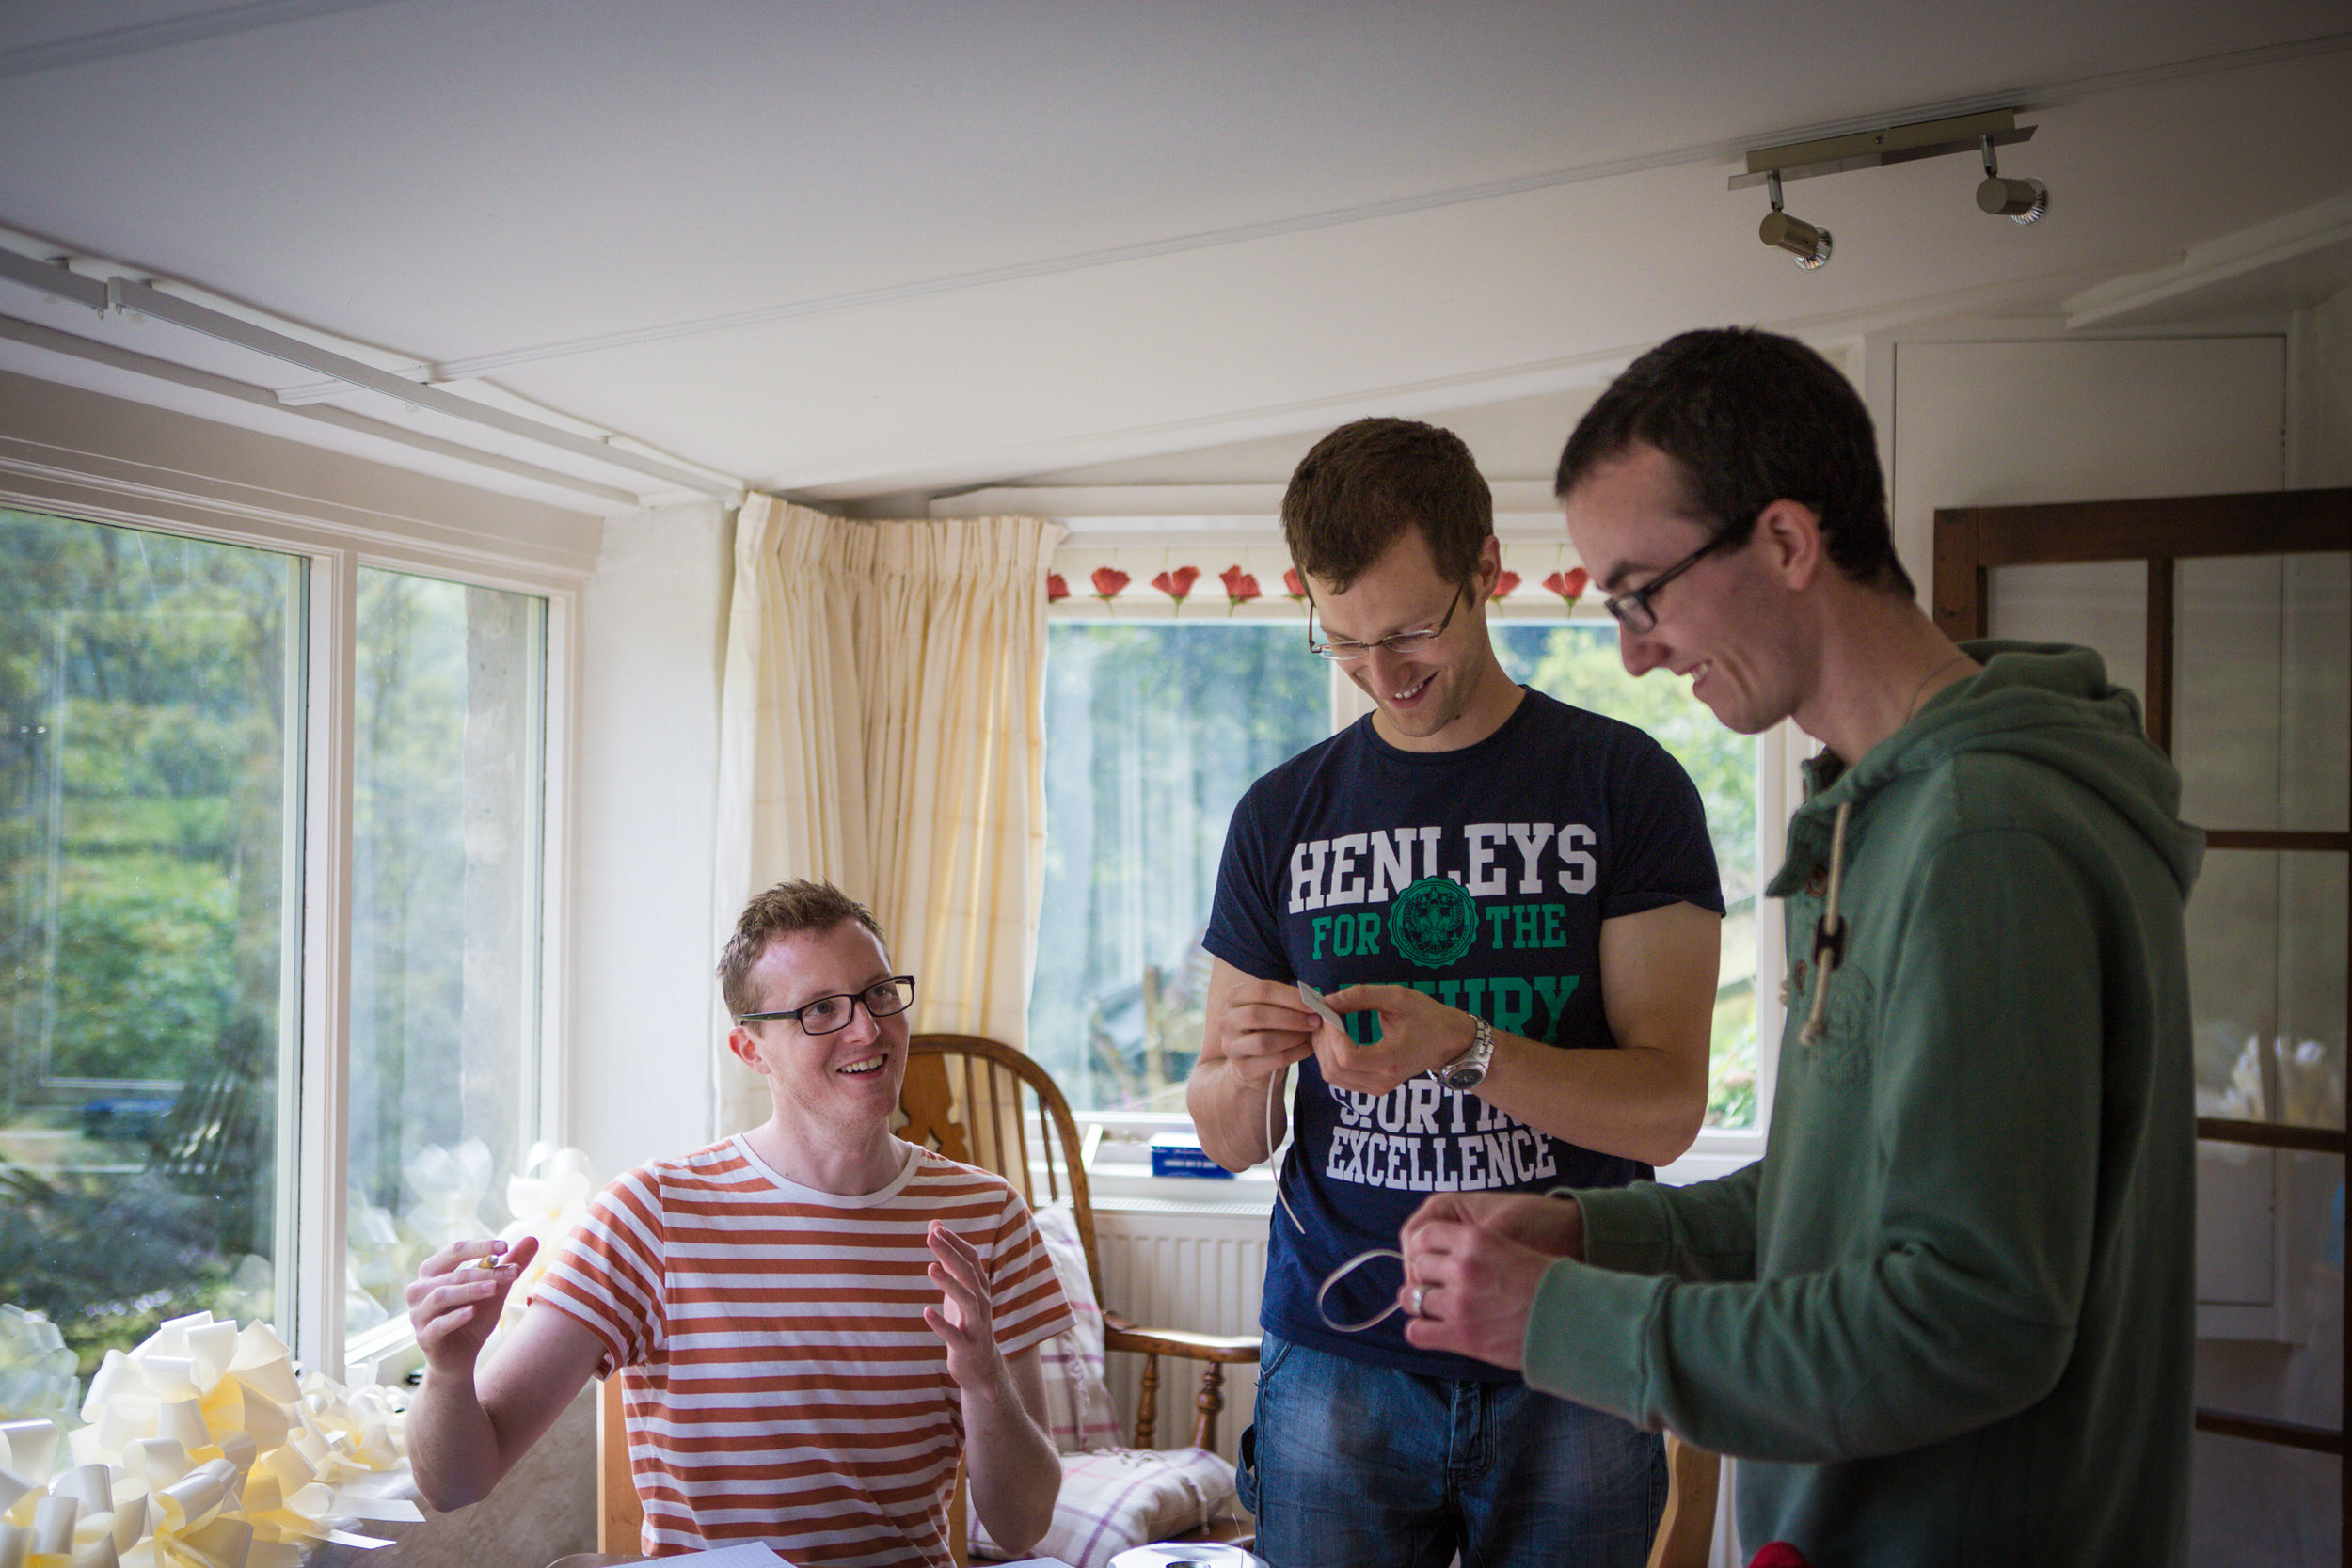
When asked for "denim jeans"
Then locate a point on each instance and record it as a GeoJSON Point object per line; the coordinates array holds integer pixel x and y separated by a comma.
{"type": "Point", "coordinates": [1355, 1465]}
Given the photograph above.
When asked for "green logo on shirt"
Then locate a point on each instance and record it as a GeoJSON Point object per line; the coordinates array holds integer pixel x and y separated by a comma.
{"type": "Point", "coordinates": [1434, 922]}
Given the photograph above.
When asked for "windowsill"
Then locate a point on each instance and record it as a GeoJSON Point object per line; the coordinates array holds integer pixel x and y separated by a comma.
{"type": "Point", "coordinates": [1119, 1176]}
{"type": "Point", "coordinates": [390, 1347]}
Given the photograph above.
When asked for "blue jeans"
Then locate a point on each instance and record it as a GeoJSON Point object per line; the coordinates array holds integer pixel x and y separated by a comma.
{"type": "Point", "coordinates": [1354, 1466]}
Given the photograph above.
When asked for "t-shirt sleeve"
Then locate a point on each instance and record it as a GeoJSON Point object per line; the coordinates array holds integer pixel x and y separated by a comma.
{"type": "Point", "coordinates": [607, 1271]}
{"type": "Point", "coordinates": [1024, 1293]}
{"type": "Point", "coordinates": [1243, 921]}
{"type": "Point", "coordinates": [1663, 854]}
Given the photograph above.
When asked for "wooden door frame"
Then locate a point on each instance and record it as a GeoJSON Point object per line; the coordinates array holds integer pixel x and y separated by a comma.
{"type": "Point", "coordinates": [1971, 541]}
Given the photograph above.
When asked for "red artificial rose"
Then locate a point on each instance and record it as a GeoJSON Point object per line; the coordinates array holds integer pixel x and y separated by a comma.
{"type": "Point", "coordinates": [1570, 584]}
{"type": "Point", "coordinates": [1110, 581]}
{"type": "Point", "coordinates": [1177, 584]}
{"type": "Point", "coordinates": [1504, 584]}
{"type": "Point", "coordinates": [1057, 588]}
{"type": "Point", "coordinates": [1295, 585]}
{"type": "Point", "coordinates": [1240, 587]}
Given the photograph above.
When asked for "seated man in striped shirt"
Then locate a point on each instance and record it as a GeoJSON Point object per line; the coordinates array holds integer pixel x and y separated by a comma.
{"type": "Point", "coordinates": [811, 1320]}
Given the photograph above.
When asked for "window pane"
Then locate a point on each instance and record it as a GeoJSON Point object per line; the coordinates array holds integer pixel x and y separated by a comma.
{"type": "Point", "coordinates": [2257, 1505]}
{"type": "Point", "coordinates": [1580, 665]}
{"type": "Point", "coordinates": [445, 930]}
{"type": "Point", "coordinates": [2265, 985]}
{"type": "Point", "coordinates": [149, 727]}
{"type": "Point", "coordinates": [1152, 734]}
{"type": "Point", "coordinates": [2101, 603]}
{"type": "Point", "coordinates": [2261, 663]}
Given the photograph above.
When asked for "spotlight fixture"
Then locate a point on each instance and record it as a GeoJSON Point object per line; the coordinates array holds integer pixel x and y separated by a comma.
{"type": "Point", "coordinates": [2024, 200]}
{"type": "Point", "coordinates": [1808, 245]}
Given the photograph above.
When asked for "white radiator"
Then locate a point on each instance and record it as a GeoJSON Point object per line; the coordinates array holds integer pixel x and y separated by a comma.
{"type": "Point", "coordinates": [1191, 1267]}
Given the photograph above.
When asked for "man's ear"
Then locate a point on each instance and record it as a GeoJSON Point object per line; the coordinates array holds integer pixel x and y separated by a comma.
{"type": "Point", "coordinates": [1490, 569]}
{"type": "Point", "coordinates": [1788, 534]}
{"type": "Point", "coordinates": [746, 1049]}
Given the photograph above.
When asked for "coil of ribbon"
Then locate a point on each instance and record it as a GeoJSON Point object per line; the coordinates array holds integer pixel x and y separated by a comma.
{"type": "Point", "coordinates": [201, 1449]}
{"type": "Point", "coordinates": [546, 1197]}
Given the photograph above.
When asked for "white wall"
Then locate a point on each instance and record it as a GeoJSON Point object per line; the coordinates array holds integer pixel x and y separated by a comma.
{"type": "Point", "coordinates": [654, 635]}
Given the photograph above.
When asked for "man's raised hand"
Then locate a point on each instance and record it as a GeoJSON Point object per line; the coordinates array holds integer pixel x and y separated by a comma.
{"type": "Point", "coordinates": [455, 1299]}
{"type": "Point", "coordinates": [964, 1319]}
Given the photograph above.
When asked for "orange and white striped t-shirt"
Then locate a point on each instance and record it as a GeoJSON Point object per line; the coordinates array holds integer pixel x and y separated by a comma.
{"type": "Point", "coordinates": [778, 1380]}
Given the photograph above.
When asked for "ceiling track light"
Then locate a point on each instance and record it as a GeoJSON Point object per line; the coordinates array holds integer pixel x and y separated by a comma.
{"type": "Point", "coordinates": [2025, 200]}
{"type": "Point", "coordinates": [1808, 245]}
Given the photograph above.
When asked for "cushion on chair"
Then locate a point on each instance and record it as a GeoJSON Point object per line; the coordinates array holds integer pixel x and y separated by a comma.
{"type": "Point", "coordinates": [1111, 1497]}
{"type": "Point", "coordinates": [1078, 1413]}
{"type": "Point", "coordinates": [1124, 1498]}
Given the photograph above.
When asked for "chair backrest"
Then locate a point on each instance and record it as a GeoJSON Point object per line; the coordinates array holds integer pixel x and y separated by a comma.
{"type": "Point", "coordinates": [985, 1103]}
{"type": "Point", "coordinates": [1686, 1531]}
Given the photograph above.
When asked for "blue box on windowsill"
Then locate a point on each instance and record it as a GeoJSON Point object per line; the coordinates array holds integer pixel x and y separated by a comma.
{"type": "Point", "coordinates": [1179, 1154]}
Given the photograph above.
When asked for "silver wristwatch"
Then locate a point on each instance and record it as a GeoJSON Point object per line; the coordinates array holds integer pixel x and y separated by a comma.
{"type": "Point", "coordinates": [1469, 1069]}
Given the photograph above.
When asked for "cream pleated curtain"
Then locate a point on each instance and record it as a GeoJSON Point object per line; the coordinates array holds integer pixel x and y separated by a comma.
{"type": "Point", "coordinates": [881, 728]}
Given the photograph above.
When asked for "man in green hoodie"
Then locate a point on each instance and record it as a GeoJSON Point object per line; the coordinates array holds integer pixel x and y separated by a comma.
{"type": "Point", "coordinates": [1947, 1318]}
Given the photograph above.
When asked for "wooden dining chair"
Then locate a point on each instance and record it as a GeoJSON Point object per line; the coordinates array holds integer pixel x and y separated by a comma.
{"type": "Point", "coordinates": [985, 1103]}
{"type": "Point", "coordinates": [1686, 1531]}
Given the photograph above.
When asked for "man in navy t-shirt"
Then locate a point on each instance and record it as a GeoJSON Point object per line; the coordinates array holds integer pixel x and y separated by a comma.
{"type": "Point", "coordinates": [1513, 906]}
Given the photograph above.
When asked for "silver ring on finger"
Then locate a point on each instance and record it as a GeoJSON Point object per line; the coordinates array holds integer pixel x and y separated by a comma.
{"type": "Point", "coordinates": [1421, 1294]}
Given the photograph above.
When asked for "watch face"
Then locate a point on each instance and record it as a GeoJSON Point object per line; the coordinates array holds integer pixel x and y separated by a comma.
{"type": "Point", "coordinates": [1467, 1076]}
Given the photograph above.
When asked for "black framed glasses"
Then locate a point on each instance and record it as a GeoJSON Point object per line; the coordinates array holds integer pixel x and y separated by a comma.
{"type": "Point", "coordinates": [1342, 651]}
{"type": "Point", "coordinates": [1633, 610]}
{"type": "Point", "coordinates": [830, 1015]}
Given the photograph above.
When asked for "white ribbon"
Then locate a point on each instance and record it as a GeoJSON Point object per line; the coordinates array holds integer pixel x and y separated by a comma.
{"type": "Point", "coordinates": [202, 1450]}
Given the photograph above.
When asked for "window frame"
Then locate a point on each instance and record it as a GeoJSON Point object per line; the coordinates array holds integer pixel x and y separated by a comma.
{"type": "Point", "coordinates": [1123, 1163]}
{"type": "Point", "coordinates": [334, 543]}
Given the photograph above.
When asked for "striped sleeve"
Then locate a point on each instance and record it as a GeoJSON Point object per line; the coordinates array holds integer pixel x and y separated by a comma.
{"type": "Point", "coordinates": [608, 1273]}
{"type": "Point", "coordinates": [1025, 1298]}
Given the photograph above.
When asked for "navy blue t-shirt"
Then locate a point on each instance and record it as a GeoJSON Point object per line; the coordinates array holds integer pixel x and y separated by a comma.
{"type": "Point", "coordinates": [1480, 876]}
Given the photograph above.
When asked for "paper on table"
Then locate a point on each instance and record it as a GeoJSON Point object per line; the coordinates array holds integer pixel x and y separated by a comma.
{"type": "Point", "coordinates": [1313, 999]}
{"type": "Point", "coordinates": [747, 1554]}
{"type": "Point", "coordinates": [1036, 1562]}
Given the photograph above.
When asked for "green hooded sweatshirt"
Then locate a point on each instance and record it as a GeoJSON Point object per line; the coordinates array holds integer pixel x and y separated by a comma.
{"type": "Point", "coordinates": [1947, 1318]}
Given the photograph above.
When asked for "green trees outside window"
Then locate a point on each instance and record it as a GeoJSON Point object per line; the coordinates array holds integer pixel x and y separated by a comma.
{"type": "Point", "coordinates": [149, 735]}
{"type": "Point", "coordinates": [152, 774]}
{"type": "Point", "coordinates": [1153, 729]}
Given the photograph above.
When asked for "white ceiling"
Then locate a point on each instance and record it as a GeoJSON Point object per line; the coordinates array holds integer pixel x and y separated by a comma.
{"type": "Point", "coordinates": [847, 250]}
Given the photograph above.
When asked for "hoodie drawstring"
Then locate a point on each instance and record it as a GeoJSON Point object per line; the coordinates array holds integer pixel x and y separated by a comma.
{"type": "Point", "coordinates": [1829, 933]}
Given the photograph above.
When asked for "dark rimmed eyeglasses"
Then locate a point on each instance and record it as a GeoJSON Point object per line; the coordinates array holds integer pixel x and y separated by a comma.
{"type": "Point", "coordinates": [1341, 651]}
{"type": "Point", "coordinates": [830, 1015]}
{"type": "Point", "coordinates": [1633, 610]}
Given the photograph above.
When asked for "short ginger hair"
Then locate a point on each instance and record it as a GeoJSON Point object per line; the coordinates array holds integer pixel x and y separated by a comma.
{"type": "Point", "coordinates": [785, 909]}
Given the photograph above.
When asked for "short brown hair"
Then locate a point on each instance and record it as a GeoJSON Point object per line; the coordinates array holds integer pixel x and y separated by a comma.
{"type": "Point", "coordinates": [1366, 483]}
{"type": "Point", "coordinates": [1749, 417]}
{"type": "Point", "coordinates": [785, 909]}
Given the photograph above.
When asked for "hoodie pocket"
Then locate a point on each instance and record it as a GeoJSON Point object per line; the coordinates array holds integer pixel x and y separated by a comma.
{"type": "Point", "coordinates": [1848, 1027]}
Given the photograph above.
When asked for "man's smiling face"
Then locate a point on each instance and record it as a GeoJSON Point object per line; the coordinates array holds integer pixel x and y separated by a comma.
{"type": "Point", "coordinates": [1714, 621]}
{"type": "Point", "coordinates": [850, 1076]}
{"type": "Point", "coordinates": [1421, 696]}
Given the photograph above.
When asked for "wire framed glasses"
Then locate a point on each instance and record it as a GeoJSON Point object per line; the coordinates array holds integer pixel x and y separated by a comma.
{"type": "Point", "coordinates": [1340, 650]}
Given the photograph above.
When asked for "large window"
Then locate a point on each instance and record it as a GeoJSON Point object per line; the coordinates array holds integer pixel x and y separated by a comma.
{"type": "Point", "coordinates": [1578, 663]}
{"type": "Point", "coordinates": [1152, 730]}
{"type": "Point", "coordinates": [151, 733]}
{"type": "Point", "coordinates": [444, 938]}
{"type": "Point", "coordinates": [208, 1003]}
